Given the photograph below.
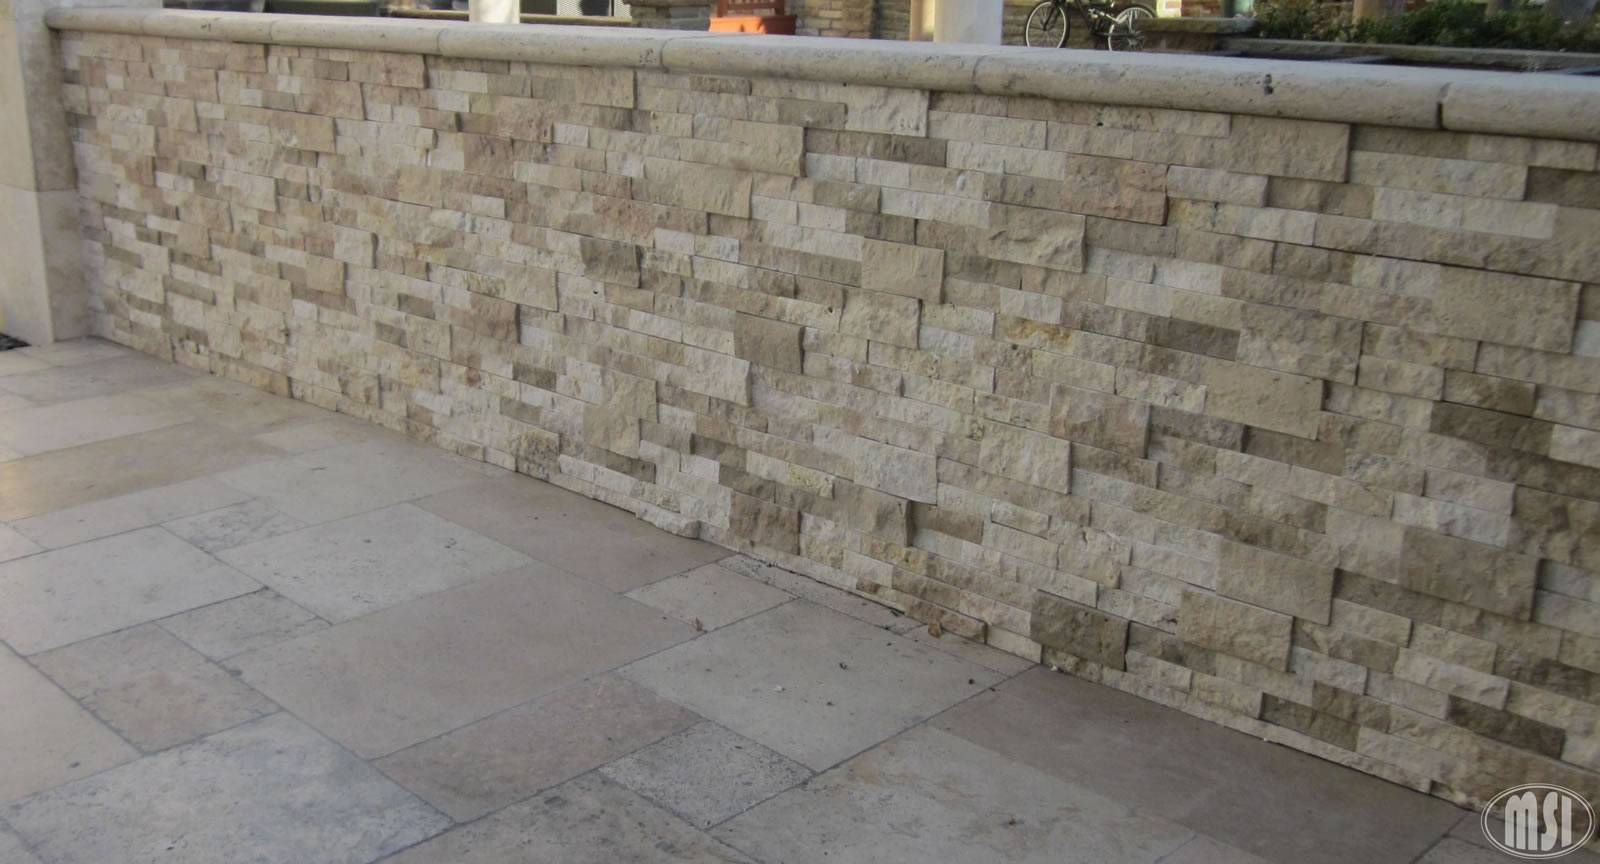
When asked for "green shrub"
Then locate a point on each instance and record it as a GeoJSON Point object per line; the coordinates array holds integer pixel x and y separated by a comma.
{"type": "Point", "coordinates": [1451, 23]}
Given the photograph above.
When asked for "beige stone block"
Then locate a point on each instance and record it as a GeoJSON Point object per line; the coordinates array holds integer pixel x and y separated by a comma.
{"type": "Point", "coordinates": [1506, 309]}
{"type": "Point", "coordinates": [1236, 629]}
{"type": "Point", "coordinates": [1466, 572]}
{"type": "Point", "coordinates": [769, 343]}
{"type": "Point", "coordinates": [1431, 174]}
{"type": "Point", "coordinates": [1272, 400]}
{"type": "Point", "coordinates": [1028, 235]}
{"type": "Point", "coordinates": [896, 268]}
{"type": "Point", "coordinates": [765, 524]}
{"type": "Point", "coordinates": [1578, 446]}
{"type": "Point", "coordinates": [882, 317]}
{"type": "Point", "coordinates": [1026, 456]}
{"type": "Point", "coordinates": [895, 470]}
{"type": "Point", "coordinates": [1288, 148]}
{"type": "Point", "coordinates": [698, 187]}
{"type": "Point", "coordinates": [1099, 419]}
{"type": "Point", "coordinates": [1079, 630]}
{"type": "Point", "coordinates": [1224, 187]}
{"type": "Point", "coordinates": [1291, 585]}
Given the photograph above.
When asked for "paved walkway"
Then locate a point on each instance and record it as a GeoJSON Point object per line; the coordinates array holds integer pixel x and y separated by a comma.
{"type": "Point", "coordinates": [240, 629]}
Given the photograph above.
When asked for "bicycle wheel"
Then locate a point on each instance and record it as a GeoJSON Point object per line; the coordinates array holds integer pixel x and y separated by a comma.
{"type": "Point", "coordinates": [1127, 30]}
{"type": "Point", "coordinates": [1048, 25]}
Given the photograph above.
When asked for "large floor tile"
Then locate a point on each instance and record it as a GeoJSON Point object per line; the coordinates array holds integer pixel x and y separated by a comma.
{"type": "Point", "coordinates": [71, 424]}
{"type": "Point", "coordinates": [88, 380]}
{"type": "Point", "coordinates": [391, 679]}
{"type": "Point", "coordinates": [60, 597]}
{"type": "Point", "coordinates": [15, 545]}
{"type": "Point", "coordinates": [1267, 800]}
{"type": "Point", "coordinates": [12, 850]}
{"type": "Point", "coordinates": [267, 792]}
{"type": "Point", "coordinates": [106, 469]}
{"type": "Point", "coordinates": [234, 406]}
{"type": "Point", "coordinates": [342, 481]}
{"type": "Point", "coordinates": [74, 352]}
{"type": "Point", "coordinates": [142, 509]}
{"type": "Point", "coordinates": [331, 430]}
{"type": "Point", "coordinates": [242, 624]}
{"type": "Point", "coordinates": [598, 542]}
{"type": "Point", "coordinates": [706, 774]}
{"type": "Point", "coordinates": [930, 796]}
{"type": "Point", "coordinates": [810, 683]}
{"type": "Point", "coordinates": [711, 596]}
{"type": "Point", "coordinates": [587, 821]}
{"type": "Point", "coordinates": [153, 689]}
{"type": "Point", "coordinates": [345, 569]}
{"type": "Point", "coordinates": [235, 525]}
{"type": "Point", "coordinates": [501, 760]}
{"type": "Point", "coordinates": [46, 739]}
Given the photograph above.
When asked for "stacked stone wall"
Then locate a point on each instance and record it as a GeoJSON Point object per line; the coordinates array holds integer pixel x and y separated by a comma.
{"type": "Point", "coordinates": [1290, 422]}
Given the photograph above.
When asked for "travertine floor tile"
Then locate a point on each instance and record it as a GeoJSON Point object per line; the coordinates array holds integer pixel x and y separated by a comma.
{"type": "Point", "coordinates": [46, 739]}
{"type": "Point", "coordinates": [706, 774]}
{"type": "Point", "coordinates": [344, 569]}
{"type": "Point", "coordinates": [234, 406]}
{"type": "Point", "coordinates": [342, 481]}
{"type": "Point", "coordinates": [930, 796]}
{"type": "Point", "coordinates": [153, 689]}
{"type": "Point", "coordinates": [12, 851]}
{"type": "Point", "coordinates": [14, 545]}
{"type": "Point", "coordinates": [600, 543]}
{"type": "Point", "coordinates": [1264, 799]}
{"type": "Point", "coordinates": [332, 430]}
{"type": "Point", "coordinates": [71, 424]}
{"type": "Point", "coordinates": [270, 791]}
{"type": "Point", "coordinates": [88, 380]}
{"type": "Point", "coordinates": [242, 624]}
{"type": "Point", "coordinates": [238, 525]}
{"type": "Point", "coordinates": [810, 683]}
{"type": "Point", "coordinates": [480, 768]}
{"type": "Point", "coordinates": [587, 821]}
{"type": "Point", "coordinates": [126, 512]}
{"type": "Point", "coordinates": [73, 352]}
{"type": "Point", "coordinates": [711, 595]}
{"type": "Point", "coordinates": [106, 469]}
{"type": "Point", "coordinates": [403, 675]}
{"type": "Point", "coordinates": [60, 597]}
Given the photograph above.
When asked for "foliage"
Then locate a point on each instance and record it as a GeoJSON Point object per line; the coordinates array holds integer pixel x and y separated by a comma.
{"type": "Point", "coordinates": [1453, 23]}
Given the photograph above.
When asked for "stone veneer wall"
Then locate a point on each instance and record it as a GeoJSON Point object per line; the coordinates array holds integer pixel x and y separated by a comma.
{"type": "Point", "coordinates": [1291, 422]}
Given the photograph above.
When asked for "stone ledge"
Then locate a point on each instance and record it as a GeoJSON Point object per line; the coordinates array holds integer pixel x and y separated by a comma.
{"type": "Point", "coordinates": [1467, 101]}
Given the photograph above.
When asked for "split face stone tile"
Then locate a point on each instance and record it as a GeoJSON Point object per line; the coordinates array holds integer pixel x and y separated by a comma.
{"type": "Point", "coordinates": [1278, 401]}
{"type": "Point", "coordinates": [257, 620]}
{"type": "Point", "coordinates": [897, 268]}
{"type": "Point", "coordinates": [1248, 793]}
{"type": "Point", "coordinates": [1027, 457]}
{"type": "Point", "coordinates": [1079, 630]}
{"type": "Point", "coordinates": [1467, 572]}
{"type": "Point", "coordinates": [706, 774]}
{"type": "Point", "coordinates": [517, 753]}
{"type": "Point", "coordinates": [1506, 309]}
{"type": "Point", "coordinates": [106, 469]}
{"type": "Point", "coordinates": [389, 680]}
{"type": "Point", "coordinates": [1100, 420]}
{"type": "Point", "coordinates": [229, 527]}
{"type": "Point", "coordinates": [590, 820]}
{"type": "Point", "coordinates": [345, 569]}
{"type": "Point", "coordinates": [809, 683]}
{"type": "Point", "coordinates": [46, 739]}
{"type": "Point", "coordinates": [1029, 235]}
{"type": "Point", "coordinates": [60, 597]}
{"type": "Point", "coordinates": [586, 538]}
{"type": "Point", "coordinates": [271, 790]}
{"type": "Point", "coordinates": [1237, 629]}
{"type": "Point", "coordinates": [881, 317]}
{"type": "Point", "coordinates": [969, 803]}
{"type": "Point", "coordinates": [769, 343]}
{"type": "Point", "coordinates": [710, 596]}
{"type": "Point", "coordinates": [1279, 582]}
{"type": "Point", "coordinates": [128, 512]}
{"type": "Point", "coordinates": [150, 687]}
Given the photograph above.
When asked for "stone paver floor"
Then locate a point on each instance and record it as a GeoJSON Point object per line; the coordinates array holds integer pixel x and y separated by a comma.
{"type": "Point", "coordinates": [237, 628]}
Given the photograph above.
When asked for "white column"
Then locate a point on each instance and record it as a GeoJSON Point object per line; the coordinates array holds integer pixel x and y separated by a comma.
{"type": "Point", "coordinates": [977, 21]}
{"type": "Point", "coordinates": [494, 11]}
{"type": "Point", "coordinates": [43, 296]}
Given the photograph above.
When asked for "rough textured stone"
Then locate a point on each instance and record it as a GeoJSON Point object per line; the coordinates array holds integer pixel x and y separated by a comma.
{"type": "Point", "coordinates": [1237, 629]}
{"type": "Point", "coordinates": [1079, 630]}
{"type": "Point", "coordinates": [1260, 397]}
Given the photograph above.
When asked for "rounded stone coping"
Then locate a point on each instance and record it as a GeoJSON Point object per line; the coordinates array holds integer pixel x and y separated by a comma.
{"type": "Point", "coordinates": [1554, 106]}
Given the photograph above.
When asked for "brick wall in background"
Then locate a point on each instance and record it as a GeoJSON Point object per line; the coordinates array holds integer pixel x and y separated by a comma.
{"type": "Point", "coordinates": [1292, 425]}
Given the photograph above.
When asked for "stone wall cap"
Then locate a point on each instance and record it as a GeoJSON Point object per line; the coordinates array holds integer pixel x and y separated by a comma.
{"type": "Point", "coordinates": [1462, 100]}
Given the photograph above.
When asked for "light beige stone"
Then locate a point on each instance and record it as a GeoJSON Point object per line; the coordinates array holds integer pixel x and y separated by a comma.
{"type": "Point", "coordinates": [1272, 400]}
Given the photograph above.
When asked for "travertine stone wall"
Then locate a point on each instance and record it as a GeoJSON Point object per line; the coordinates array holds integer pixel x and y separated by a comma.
{"type": "Point", "coordinates": [1291, 423]}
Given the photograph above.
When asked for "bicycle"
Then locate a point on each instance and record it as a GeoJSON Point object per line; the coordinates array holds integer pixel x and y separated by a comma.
{"type": "Point", "coordinates": [1121, 25]}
